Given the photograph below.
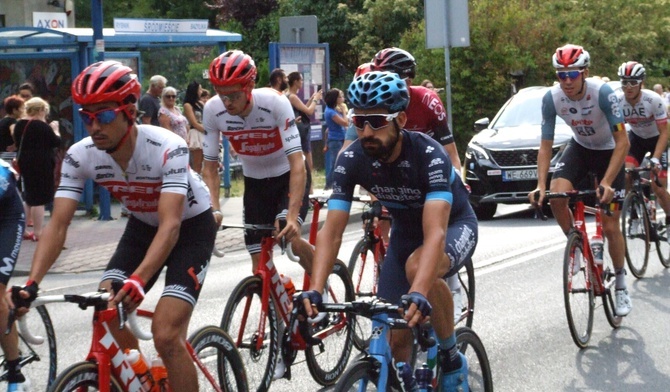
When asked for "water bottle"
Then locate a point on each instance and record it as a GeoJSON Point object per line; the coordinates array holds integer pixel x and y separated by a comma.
{"type": "Point", "coordinates": [406, 377]}
{"type": "Point", "coordinates": [288, 285]}
{"type": "Point", "coordinates": [597, 249]}
{"type": "Point", "coordinates": [139, 365]}
{"type": "Point", "coordinates": [160, 375]}
{"type": "Point", "coordinates": [424, 378]}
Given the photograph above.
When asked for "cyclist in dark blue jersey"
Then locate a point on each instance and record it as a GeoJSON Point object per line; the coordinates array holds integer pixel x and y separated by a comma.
{"type": "Point", "coordinates": [434, 228]}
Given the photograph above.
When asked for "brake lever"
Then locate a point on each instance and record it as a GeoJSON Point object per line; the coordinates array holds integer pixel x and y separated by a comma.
{"type": "Point", "coordinates": [539, 214]}
{"type": "Point", "coordinates": [117, 285]}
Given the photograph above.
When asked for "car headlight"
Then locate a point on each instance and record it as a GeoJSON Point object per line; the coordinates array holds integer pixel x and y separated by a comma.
{"type": "Point", "coordinates": [477, 151]}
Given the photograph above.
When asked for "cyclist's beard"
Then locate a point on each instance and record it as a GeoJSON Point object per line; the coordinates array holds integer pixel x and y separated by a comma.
{"type": "Point", "coordinates": [374, 148]}
{"type": "Point", "coordinates": [283, 86]}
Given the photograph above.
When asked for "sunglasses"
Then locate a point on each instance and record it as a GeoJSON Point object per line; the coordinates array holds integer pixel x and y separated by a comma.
{"type": "Point", "coordinates": [170, 96]}
{"type": "Point", "coordinates": [232, 96]}
{"type": "Point", "coordinates": [569, 74]}
{"type": "Point", "coordinates": [630, 82]}
{"type": "Point", "coordinates": [375, 121]}
{"type": "Point", "coordinates": [104, 116]}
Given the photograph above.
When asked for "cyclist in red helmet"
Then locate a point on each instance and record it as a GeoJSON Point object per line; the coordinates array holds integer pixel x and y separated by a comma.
{"type": "Point", "coordinates": [599, 145]}
{"type": "Point", "coordinates": [171, 223]}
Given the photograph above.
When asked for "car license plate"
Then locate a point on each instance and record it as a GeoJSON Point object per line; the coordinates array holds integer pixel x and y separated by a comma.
{"type": "Point", "coordinates": [519, 175]}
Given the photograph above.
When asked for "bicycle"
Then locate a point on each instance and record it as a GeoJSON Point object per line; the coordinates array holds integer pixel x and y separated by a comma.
{"type": "Point", "coordinates": [106, 369]}
{"type": "Point", "coordinates": [640, 225]}
{"type": "Point", "coordinates": [259, 303]}
{"type": "Point", "coordinates": [37, 350]}
{"type": "Point", "coordinates": [375, 370]}
{"type": "Point", "coordinates": [365, 265]}
{"type": "Point", "coordinates": [583, 278]}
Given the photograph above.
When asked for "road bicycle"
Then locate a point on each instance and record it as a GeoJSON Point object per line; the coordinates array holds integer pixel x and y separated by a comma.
{"type": "Point", "coordinates": [365, 265]}
{"type": "Point", "coordinates": [375, 370]}
{"type": "Point", "coordinates": [37, 347]}
{"type": "Point", "coordinates": [640, 225]}
{"type": "Point", "coordinates": [106, 369]}
{"type": "Point", "coordinates": [583, 278]}
{"type": "Point", "coordinates": [260, 303]}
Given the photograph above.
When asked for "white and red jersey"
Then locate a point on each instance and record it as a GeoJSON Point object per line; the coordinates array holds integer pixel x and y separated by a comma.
{"type": "Point", "coordinates": [263, 140]}
{"type": "Point", "coordinates": [646, 115]}
{"type": "Point", "coordinates": [159, 164]}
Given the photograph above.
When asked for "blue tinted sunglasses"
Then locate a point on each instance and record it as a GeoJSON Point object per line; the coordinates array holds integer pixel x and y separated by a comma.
{"type": "Point", "coordinates": [104, 116]}
{"type": "Point", "coordinates": [569, 74]}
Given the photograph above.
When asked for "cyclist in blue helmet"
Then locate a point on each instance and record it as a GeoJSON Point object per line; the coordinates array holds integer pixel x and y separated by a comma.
{"type": "Point", "coordinates": [434, 228]}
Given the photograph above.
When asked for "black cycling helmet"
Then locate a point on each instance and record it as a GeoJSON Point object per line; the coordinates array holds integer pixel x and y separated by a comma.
{"type": "Point", "coordinates": [395, 60]}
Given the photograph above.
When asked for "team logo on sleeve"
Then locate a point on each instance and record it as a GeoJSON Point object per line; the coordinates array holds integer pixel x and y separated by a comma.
{"type": "Point", "coordinates": [174, 153]}
{"type": "Point", "coordinates": [435, 162]}
{"type": "Point", "coordinates": [429, 149]}
{"type": "Point", "coordinates": [289, 123]}
{"type": "Point", "coordinates": [349, 154]}
{"type": "Point", "coordinates": [340, 169]}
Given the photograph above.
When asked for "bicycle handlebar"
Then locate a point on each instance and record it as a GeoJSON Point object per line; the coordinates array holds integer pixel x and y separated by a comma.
{"type": "Point", "coordinates": [574, 194]}
{"type": "Point", "coordinates": [635, 171]}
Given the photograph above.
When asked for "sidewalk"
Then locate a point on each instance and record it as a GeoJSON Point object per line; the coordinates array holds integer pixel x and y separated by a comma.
{"type": "Point", "coordinates": [90, 243]}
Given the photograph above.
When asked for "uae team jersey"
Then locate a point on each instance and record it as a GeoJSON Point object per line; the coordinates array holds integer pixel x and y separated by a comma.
{"type": "Point", "coordinates": [422, 172]}
{"type": "Point", "coordinates": [426, 114]}
{"type": "Point", "coordinates": [263, 140]}
{"type": "Point", "coordinates": [645, 116]}
{"type": "Point", "coordinates": [159, 164]}
{"type": "Point", "coordinates": [592, 119]}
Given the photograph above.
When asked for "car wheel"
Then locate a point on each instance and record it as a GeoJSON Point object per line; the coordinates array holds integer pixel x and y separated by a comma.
{"type": "Point", "coordinates": [485, 211]}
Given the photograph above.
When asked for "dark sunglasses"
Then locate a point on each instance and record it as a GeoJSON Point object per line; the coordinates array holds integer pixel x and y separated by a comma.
{"type": "Point", "coordinates": [104, 116]}
{"type": "Point", "coordinates": [569, 74]}
{"type": "Point", "coordinates": [170, 96]}
{"type": "Point", "coordinates": [375, 121]}
{"type": "Point", "coordinates": [630, 82]}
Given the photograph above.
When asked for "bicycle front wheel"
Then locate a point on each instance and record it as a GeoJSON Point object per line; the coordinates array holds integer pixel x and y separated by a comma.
{"type": "Point", "coordinates": [217, 353]}
{"type": "Point", "coordinates": [327, 361]}
{"type": "Point", "coordinates": [241, 320]}
{"type": "Point", "coordinates": [577, 291]}
{"type": "Point", "coordinates": [479, 368]}
{"type": "Point", "coordinates": [635, 228]}
{"type": "Point", "coordinates": [364, 271]}
{"type": "Point", "coordinates": [82, 376]}
{"type": "Point", "coordinates": [609, 278]}
{"type": "Point", "coordinates": [362, 376]}
{"type": "Point", "coordinates": [467, 305]}
{"type": "Point", "coordinates": [662, 242]}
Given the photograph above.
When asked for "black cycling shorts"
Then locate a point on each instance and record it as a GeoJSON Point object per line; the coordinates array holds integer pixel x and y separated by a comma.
{"type": "Point", "coordinates": [639, 147]}
{"type": "Point", "coordinates": [266, 200]}
{"type": "Point", "coordinates": [186, 265]}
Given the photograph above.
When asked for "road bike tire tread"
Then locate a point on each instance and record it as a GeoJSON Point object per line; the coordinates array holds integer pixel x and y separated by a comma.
{"type": "Point", "coordinates": [81, 374]}
{"type": "Point", "coordinates": [575, 243]}
{"type": "Point", "coordinates": [469, 291]}
{"type": "Point", "coordinates": [466, 339]}
{"type": "Point", "coordinates": [662, 245]}
{"type": "Point", "coordinates": [227, 357]}
{"type": "Point", "coordinates": [254, 286]}
{"type": "Point", "coordinates": [359, 370]}
{"type": "Point", "coordinates": [637, 261]}
{"type": "Point", "coordinates": [362, 329]}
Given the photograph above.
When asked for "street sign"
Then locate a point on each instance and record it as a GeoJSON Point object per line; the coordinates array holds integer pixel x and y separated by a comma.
{"type": "Point", "coordinates": [453, 13]}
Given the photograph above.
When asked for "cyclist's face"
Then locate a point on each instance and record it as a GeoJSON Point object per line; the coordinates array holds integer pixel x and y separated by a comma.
{"type": "Point", "coordinates": [106, 136]}
{"type": "Point", "coordinates": [233, 97]}
{"type": "Point", "coordinates": [631, 88]}
{"type": "Point", "coordinates": [380, 142]}
{"type": "Point", "coordinates": [572, 81]}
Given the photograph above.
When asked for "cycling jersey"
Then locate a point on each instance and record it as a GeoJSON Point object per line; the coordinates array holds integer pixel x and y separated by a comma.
{"type": "Point", "coordinates": [262, 140]}
{"type": "Point", "coordinates": [12, 222]}
{"type": "Point", "coordinates": [592, 119]}
{"type": "Point", "coordinates": [645, 116]}
{"type": "Point", "coordinates": [159, 164]}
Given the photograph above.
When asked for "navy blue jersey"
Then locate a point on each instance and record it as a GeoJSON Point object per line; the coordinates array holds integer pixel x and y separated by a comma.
{"type": "Point", "coordinates": [422, 172]}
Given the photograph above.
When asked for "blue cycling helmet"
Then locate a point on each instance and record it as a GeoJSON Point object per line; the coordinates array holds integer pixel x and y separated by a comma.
{"type": "Point", "coordinates": [379, 90]}
{"type": "Point", "coordinates": [6, 178]}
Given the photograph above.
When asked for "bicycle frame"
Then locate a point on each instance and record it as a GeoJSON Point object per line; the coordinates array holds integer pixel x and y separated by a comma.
{"type": "Point", "coordinates": [579, 224]}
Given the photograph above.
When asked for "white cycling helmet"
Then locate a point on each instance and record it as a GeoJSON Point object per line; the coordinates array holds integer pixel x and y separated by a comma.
{"type": "Point", "coordinates": [570, 56]}
{"type": "Point", "coordinates": [632, 70]}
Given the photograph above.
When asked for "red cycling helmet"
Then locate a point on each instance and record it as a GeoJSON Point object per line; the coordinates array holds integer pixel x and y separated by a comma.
{"type": "Point", "coordinates": [106, 81]}
{"type": "Point", "coordinates": [569, 56]}
{"type": "Point", "coordinates": [363, 69]}
{"type": "Point", "coordinates": [232, 67]}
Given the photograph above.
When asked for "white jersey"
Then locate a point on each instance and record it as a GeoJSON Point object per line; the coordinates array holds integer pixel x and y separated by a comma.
{"type": "Point", "coordinates": [646, 115]}
{"type": "Point", "coordinates": [159, 164]}
{"type": "Point", "coordinates": [592, 119]}
{"type": "Point", "coordinates": [263, 140]}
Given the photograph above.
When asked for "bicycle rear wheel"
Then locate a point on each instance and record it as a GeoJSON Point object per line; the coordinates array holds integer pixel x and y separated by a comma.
{"type": "Point", "coordinates": [362, 376]}
{"type": "Point", "coordinates": [327, 361]}
{"type": "Point", "coordinates": [467, 279]}
{"type": "Point", "coordinates": [662, 244]}
{"type": "Point", "coordinates": [218, 355]}
{"type": "Point", "coordinates": [608, 278]}
{"type": "Point", "coordinates": [577, 294]}
{"type": "Point", "coordinates": [82, 376]}
{"type": "Point", "coordinates": [364, 271]}
{"type": "Point", "coordinates": [635, 228]}
{"type": "Point", "coordinates": [38, 361]}
{"type": "Point", "coordinates": [479, 368]}
{"type": "Point", "coordinates": [241, 320]}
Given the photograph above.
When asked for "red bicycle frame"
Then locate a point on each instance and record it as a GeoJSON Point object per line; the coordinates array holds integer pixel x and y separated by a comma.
{"type": "Point", "coordinates": [579, 213]}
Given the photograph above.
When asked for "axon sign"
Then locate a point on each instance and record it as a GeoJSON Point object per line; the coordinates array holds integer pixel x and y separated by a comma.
{"type": "Point", "coordinates": [50, 20]}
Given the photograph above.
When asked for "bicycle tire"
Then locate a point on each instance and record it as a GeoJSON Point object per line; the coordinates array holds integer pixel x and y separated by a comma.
{"type": "Point", "coordinates": [361, 265]}
{"type": "Point", "coordinates": [82, 375]}
{"type": "Point", "coordinates": [217, 352]}
{"type": "Point", "coordinates": [578, 298]}
{"type": "Point", "coordinates": [324, 367]}
{"type": "Point", "coordinates": [362, 375]}
{"type": "Point", "coordinates": [635, 227]}
{"type": "Point", "coordinates": [662, 244]}
{"type": "Point", "coordinates": [608, 278]}
{"type": "Point", "coordinates": [259, 364]}
{"type": "Point", "coordinates": [468, 285]}
{"type": "Point", "coordinates": [469, 344]}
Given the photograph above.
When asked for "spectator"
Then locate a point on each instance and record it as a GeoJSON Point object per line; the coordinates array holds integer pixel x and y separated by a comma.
{"type": "Point", "coordinates": [36, 141]}
{"type": "Point", "coordinates": [278, 79]}
{"type": "Point", "coordinates": [336, 123]}
{"type": "Point", "coordinates": [302, 113]}
{"type": "Point", "coordinates": [15, 108]}
{"type": "Point", "coordinates": [26, 91]}
{"type": "Point", "coordinates": [428, 84]}
{"type": "Point", "coordinates": [150, 103]}
{"type": "Point", "coordinates": [193, 113]}
{"type": "Point", "coordinates": [169, 115]}
{"type": "Point", "coordinates": [204, 96]}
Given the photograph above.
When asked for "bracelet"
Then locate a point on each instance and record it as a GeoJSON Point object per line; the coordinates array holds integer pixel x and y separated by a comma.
{"type": "Point", "coordinates": [217, 212]}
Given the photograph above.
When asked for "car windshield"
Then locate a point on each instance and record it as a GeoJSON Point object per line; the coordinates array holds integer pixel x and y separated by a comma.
{"type": "Point", "coordinates": [525, 108]}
